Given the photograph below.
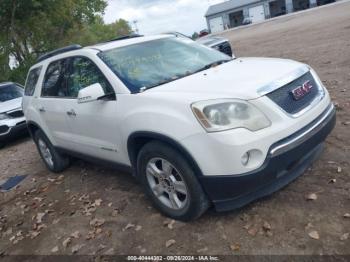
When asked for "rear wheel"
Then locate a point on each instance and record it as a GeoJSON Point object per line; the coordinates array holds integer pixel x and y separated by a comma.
{"type": "Point", "coordinates": [53, 160]}
{"type": "Point", "coordinates": [170, 182]}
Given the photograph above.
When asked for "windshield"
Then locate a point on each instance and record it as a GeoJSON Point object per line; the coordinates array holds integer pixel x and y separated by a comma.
{"type": "Point", "coordinates": [9, 92]}
{"type": "Point", "coordinates": [156, 62]}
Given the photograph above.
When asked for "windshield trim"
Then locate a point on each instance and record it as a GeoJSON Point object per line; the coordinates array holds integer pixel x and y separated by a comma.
{"type": "Point", "coordinates": [105, 47]}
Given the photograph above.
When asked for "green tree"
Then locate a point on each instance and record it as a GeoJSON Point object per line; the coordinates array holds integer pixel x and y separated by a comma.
{"type": "Point", "coordinates": [97, 32]}
{"type": "Point", "coordinates": [29, 28]}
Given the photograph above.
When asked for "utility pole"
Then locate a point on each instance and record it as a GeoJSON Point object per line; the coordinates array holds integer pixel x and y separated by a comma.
{"type": "Point", "coordinates": [135, 26]}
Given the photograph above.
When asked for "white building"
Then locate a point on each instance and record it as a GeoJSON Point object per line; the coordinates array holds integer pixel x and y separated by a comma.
{"type": "Point", "coordinates": [237, 12]}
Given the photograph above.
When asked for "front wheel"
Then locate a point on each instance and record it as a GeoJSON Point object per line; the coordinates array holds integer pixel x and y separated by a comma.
{"type": "Point", "coordinates": [170, 182]}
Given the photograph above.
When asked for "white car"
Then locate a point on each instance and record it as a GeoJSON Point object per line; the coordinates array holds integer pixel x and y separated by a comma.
{"type": "Point", "coordinates": [196, 127]}
{"type": "Point", "coordinates": [217, 42]}
{"type": "Point", "coordinates": [12, 121]}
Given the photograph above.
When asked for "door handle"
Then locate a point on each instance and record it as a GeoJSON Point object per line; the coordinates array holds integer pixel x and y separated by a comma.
{"type": "Point", "coordinates": [42, 109]}
{"type": "Point", "coordinates": [71, 113]}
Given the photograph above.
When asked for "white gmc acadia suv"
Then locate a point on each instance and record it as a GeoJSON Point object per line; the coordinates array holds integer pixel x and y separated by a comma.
{"type": "Point", "coordinates": [195, 126]}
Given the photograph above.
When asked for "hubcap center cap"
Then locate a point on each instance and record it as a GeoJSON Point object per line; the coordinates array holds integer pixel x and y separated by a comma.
{"type": "Point", "coordinates": [167, 183]}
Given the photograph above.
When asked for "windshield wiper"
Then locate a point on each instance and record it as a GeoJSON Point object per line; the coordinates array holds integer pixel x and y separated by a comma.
{"type": "Point", "coordinates": [216, 63]}
{"type": "Point", "coordinates": [165, 81]}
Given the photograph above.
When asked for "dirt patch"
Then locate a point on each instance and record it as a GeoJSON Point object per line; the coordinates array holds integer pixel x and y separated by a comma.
{"type": "Point", "coordinates": [96, 210]}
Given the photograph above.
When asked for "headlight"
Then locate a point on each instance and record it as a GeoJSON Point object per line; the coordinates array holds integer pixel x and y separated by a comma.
{"type": "Point", "coordinates": [224, 114]}
{"type": "Point", "coordinates": [3, 116]}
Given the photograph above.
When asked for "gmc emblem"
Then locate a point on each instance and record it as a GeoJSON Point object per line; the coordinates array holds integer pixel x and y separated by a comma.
{"type": "Point", "coordinates": [299, 92]}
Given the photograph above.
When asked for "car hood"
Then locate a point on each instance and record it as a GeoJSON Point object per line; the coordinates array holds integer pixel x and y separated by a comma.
{"type": "Point", "coordinates": [242, 78]}
{"type": "Point", "coordinates": [10, 105]}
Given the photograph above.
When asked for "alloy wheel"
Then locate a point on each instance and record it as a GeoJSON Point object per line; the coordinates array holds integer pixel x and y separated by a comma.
{"type": "Point", "coordinates": [45, 152]}
{"type": "Point", "coordinates": [167, 183]}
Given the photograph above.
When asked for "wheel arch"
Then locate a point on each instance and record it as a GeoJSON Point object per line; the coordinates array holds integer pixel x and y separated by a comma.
{"type": "Point", "coordinates": [138, 139]}
{"type": "Point", "coordinates": [33, 127]}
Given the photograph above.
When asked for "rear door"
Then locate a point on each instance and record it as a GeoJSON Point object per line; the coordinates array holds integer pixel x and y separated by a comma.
{"type": "Point", "coordinates": [93, 124]}
{"type": "Point", "coordinates": [52, 104]}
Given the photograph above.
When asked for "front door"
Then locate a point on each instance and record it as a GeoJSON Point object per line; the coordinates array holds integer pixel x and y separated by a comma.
{"type": "Point", "coordinates": [93, 124]}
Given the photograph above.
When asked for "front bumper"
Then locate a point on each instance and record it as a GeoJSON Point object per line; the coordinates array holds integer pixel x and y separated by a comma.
{"type": "Point", "coordinates": [11, 128]}
{"type": "Point", "coordinates": [287, 160]}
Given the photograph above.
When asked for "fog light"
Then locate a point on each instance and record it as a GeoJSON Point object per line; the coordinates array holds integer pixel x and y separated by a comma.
{"type": "Point", "coordinates": [245, 158]}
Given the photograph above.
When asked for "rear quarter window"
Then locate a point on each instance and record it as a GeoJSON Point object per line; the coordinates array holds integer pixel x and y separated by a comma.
{"type": "Point", "coordinates": [32, 80]}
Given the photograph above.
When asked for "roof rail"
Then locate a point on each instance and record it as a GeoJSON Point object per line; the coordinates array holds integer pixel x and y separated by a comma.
{"type": "Point", "coordinates": [124, 37]}
{"type": "Point", "coordinates": [58, 51]}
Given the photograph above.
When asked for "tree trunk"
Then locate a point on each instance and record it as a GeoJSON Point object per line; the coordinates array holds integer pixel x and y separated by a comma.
{"type": "Point", "coordinates": [11, 35]}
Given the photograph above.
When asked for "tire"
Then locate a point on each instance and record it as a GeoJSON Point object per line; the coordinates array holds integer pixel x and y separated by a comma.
{"type": "Point", "coordinates": [2, 144]}
{"type": "Point", "coordinates": [53, 160]}
{"type": "Point", "coordinates": [177, 193]}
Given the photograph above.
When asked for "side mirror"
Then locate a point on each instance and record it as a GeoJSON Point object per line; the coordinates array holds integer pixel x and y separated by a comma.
{"type": "Point", "coordinates": [90, 93]}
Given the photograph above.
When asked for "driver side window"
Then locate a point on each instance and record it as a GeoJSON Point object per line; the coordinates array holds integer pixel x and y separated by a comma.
{"type": "Point", "coordinates": [85, 73]}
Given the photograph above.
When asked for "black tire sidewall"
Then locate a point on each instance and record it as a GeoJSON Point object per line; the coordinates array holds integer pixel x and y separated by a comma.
{"type": "Point", "coordinates": [59, 162]}
{"type": "Point", "coordinates": [197, 201]}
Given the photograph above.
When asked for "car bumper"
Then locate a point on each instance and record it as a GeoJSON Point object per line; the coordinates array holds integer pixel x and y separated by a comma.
{"type": "Point", "coordinates": [287, 159]}
{"type": "Point", "coordinates": [12, 128]}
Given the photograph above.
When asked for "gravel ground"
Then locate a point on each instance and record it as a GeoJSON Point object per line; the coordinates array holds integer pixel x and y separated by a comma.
{"type": "Point", "coordinates": [94, 210]}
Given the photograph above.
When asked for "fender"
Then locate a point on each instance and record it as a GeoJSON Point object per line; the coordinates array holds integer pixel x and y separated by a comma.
{"type": "Point", "coordinates": [137, 139]}
{"type": "Point", "coordinates": [31, 130]}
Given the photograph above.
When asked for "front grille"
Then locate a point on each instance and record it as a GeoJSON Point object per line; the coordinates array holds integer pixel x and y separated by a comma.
{"type": "Point", "coordinates": [284, 97]}
{"type": "Point", "coordinates": [4, 129]}
{"type": "Point", "coordinates": [15, 114]}
{"type": "Point", "coordinates": [226, 48]}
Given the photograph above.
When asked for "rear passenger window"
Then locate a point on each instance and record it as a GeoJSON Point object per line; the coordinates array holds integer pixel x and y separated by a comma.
{"type": "Point", "coordinates": [32, 80]}
{"type": "Point", "coordinates": [55, 82]}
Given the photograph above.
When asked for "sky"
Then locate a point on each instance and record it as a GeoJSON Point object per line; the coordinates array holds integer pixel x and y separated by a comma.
{"type": "Point", "coordinates": [159, 16]}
